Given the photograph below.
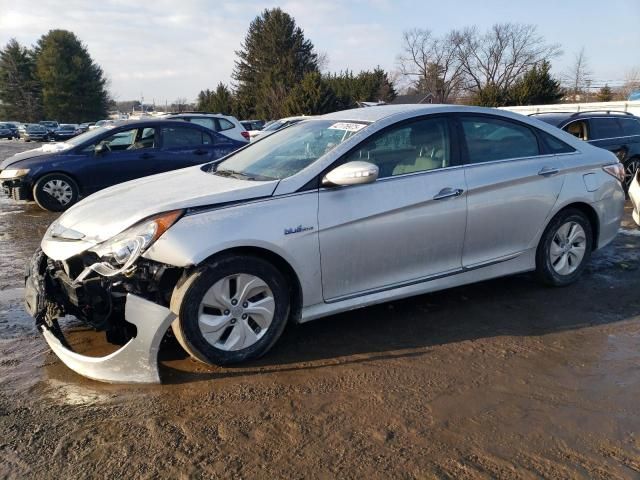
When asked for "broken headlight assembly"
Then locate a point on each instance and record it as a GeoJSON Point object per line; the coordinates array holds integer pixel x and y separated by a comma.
{"type": "Point", "coordinates": [119, 253]}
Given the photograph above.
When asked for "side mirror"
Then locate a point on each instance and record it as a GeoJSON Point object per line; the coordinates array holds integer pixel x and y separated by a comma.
{"type": "Point", "coordinates": [100, 149]}
{"type": "Point", "coordinates": [352, 173]}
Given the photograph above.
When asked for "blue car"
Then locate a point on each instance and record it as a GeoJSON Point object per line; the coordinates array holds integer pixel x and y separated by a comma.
{"type": "Point", "coordinates": [56, 176]}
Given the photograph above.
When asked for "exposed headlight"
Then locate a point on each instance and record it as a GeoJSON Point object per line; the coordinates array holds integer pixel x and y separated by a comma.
{"type": "Point", "coordinates": [120, 252]}
{"type": "Point", "coordinates": [13, 172]}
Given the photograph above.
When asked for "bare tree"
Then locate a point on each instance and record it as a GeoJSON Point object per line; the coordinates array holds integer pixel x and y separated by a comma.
{"type": "Point", "coordinates": [631, 82]}
{"type": "Point", "coordinates": [431, 63]}
{"type": "Point", "coordinates": [322, 61]}
{"type": "Point", "coordinates": [497, 58]}
{"type": "Point", "coordinates": [578, 77]}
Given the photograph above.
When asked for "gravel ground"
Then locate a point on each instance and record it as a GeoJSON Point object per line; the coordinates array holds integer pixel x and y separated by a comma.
{"type": "Point", "coordinates": [503, 379]}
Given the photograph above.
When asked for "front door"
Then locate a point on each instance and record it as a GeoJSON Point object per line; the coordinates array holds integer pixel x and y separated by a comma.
{"type": "Point", "coordinates": [408, 225]}
{"type": "Point", "coordinates": [125, 155]}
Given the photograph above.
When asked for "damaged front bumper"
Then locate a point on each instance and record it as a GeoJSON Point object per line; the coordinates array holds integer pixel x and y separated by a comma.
{"type": "Point", "coordinates": [49, 294]}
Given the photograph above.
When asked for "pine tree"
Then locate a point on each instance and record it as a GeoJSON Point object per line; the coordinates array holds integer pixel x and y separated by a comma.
{"type": "Point", "coordinates": [273, 59]}
{"type": "Point", "coordinates": [219, 100]}
{"type": "Point", "coordinates": [536, 87]}
{"type": "Point", "coordinates": [20, 94]}
{"type": "Point", "coordinates": [312, 96]}
{"type": "Point", "coordinates": [73, 85]}
{"type": "Point", "coordinates": [605, 94]}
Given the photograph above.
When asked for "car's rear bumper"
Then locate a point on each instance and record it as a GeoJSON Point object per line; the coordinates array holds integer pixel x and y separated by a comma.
{"type": "Point", "coordinates": [135, 362]}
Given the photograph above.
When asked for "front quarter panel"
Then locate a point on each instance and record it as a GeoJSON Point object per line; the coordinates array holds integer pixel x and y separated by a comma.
{"type": "Point", "coordinates": [286, 225]}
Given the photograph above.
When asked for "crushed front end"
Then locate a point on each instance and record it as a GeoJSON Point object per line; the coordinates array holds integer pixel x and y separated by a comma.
{"type": "Point", "coordinates": [127, 297]}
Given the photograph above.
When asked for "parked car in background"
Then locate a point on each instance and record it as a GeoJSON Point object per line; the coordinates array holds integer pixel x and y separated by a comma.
{"type": "Point", "coordinates": [6, 131]}
{"type": "Point", "coordinates": [618, 132]}
{"type": "Point", "coordinates": [13, 126]}
{"type": "Point", "coordinates": [342, 211]}
{"type": "Point", "coordinates": [83, 127]}
{"type": "Point", "coordinates": [224, 124]}
{"type": "Point", "coordinates": [35, 132]}
{"type": "Point", "coordinates": [276, 125]}
{"type": "Point", "coordinates": [57, 175]}
{"type": "Point", "coordinates": [50, 125]}
{"type": "Point", "coordinates": [102, 123]}
{"type": "Point", "coordinates": [65, 132]}
{"type": "Point", "coordinates": [250, 125]}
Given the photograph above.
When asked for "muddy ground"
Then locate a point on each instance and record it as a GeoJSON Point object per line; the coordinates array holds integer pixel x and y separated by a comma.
{"type": "Point", "coordinates": [504, 379]}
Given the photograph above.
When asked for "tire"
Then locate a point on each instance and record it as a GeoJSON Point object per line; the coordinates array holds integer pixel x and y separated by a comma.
{"type": "Point", "coordinates": [234, 336]}
{"type": "Point", "coordinates": [570, 235]}
{"type": "Point", "coordinates": [55, 192]}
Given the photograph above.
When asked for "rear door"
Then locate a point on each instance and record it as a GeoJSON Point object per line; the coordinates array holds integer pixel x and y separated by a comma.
{"type": "Point", "coordinates": [184, 146]}
{"type": "Point", "coordinates": [405, 227]}
{"type": "Point", "coordinates": [512, 187]}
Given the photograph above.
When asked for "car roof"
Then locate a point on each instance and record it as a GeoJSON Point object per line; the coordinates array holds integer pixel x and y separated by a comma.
{"type": "Point", "coordinates": [556, 118]}
{"type": "Point", "coordinates": [374, 114]}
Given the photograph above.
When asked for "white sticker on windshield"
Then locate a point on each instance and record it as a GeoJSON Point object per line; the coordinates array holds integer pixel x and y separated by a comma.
{"type": "Point", "coordinates": [349, 127]}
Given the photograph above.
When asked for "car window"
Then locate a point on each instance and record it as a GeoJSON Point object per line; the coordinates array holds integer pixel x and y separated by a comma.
{"type": "Point", "coordinates": [605, 128]}
{"type": "Point", "coordinates": [225, 125]}
{"type": "Point", "coordinates": [555, 145]}
{"type": "Point", "coordinates": [180, 137]}
{"type": "Point", "coordinates": [578, 129]}
{"type": "Point", "coordinates": [131, 139]}
{"type": "Point", "coordinates": [489, 139]}
{"type": "Point", "coordinates": [630, 126]}
{"type": "Point", "coordinates": [204, 122]}
{"type": "Point", "coordinates": [418, 146]}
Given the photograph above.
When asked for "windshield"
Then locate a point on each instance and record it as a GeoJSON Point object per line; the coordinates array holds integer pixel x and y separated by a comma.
{"type": "Point", "coordinates": [84, 137]}
{"type": "Point", "coordinates": [288, 151]}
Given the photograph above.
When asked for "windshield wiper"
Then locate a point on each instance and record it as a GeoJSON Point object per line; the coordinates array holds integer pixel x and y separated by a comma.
{"type": "Point", "coordinates": [234, 174]}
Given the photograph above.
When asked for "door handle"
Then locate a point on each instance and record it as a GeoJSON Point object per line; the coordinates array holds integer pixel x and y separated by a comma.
{"type": "Point", "coordinates": [146, 155]}
{"type": "Point", "coordinates": [548, 171]}
{"type": "Point", "coordinates": [199, 152]}
{"type": "Point", "coordinates": [448, 193]}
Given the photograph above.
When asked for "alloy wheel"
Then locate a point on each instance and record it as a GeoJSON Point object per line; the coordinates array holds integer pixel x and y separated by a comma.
{"type": "Point", "coordinates": [60, 190]}
{"type": "Point", "coordinates": [236, 312]}
{"type": "Point", "coordinates": [568, 248]}
{"type": "Point", "coordinates": [630, 169]}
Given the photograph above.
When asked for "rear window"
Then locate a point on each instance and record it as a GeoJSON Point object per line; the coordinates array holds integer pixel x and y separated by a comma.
{"type": "Point", "coordinates": [555, 145]}
{"type": "Point", "coordinates": [605, 128]}
{"type": "Point", "coordinates": [225, 125]}
{"type": "Point", "coordinates": [489, 139]}
{"type": "Point", "coordinates": [630, 126]}
{"type": "Point", "coordinates": [178, 137]}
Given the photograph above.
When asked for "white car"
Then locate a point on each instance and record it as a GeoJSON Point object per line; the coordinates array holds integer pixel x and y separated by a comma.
{"type": "Point", "coordinates": [275, 126]}
{"type": "Point", "coordinates": [224, 124]}
{"type": "Point", "coordinates": [335, 213]}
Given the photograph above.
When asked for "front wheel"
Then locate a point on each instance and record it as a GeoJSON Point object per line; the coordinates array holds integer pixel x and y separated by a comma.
{"type": "Point", "coordinates": [55, 192]}
{"type": "Point", "coordinates": [631, 166]}
{"type": "Point", "coordinates": [231, 310]}
{"type": "Point", "coordinates": [564, 249]}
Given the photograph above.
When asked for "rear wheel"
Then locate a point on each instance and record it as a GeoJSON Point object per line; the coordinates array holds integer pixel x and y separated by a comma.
{"type": "Point", "coordinates": [231, 311]}
{"type": "Point", "coordinates": [564, 249]}
{"type": "Point", "coordinates": [55, 192]}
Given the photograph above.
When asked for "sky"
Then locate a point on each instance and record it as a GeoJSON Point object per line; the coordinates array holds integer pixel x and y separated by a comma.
{"type": "Point", "coordinates": [166, 49]}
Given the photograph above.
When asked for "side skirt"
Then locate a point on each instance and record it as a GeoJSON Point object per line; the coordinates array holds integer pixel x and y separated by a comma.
{"type": "Point", "coordinates": [522, 262]}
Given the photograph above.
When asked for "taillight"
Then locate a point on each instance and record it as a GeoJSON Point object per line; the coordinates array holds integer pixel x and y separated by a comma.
{"type": "Point", "coordinates": [245, 134]}
{"type": "Point", "coordinates": [615, 170]}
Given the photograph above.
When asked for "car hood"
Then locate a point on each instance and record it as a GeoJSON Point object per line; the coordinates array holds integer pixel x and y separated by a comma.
{"type": "Point", "coordinates": [108, 212]}
{"type": "Point", "coordinates": [43, 151]}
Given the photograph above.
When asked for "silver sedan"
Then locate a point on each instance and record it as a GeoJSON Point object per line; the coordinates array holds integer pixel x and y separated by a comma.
{"type": "Point", "coordinates": [334, 213]}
